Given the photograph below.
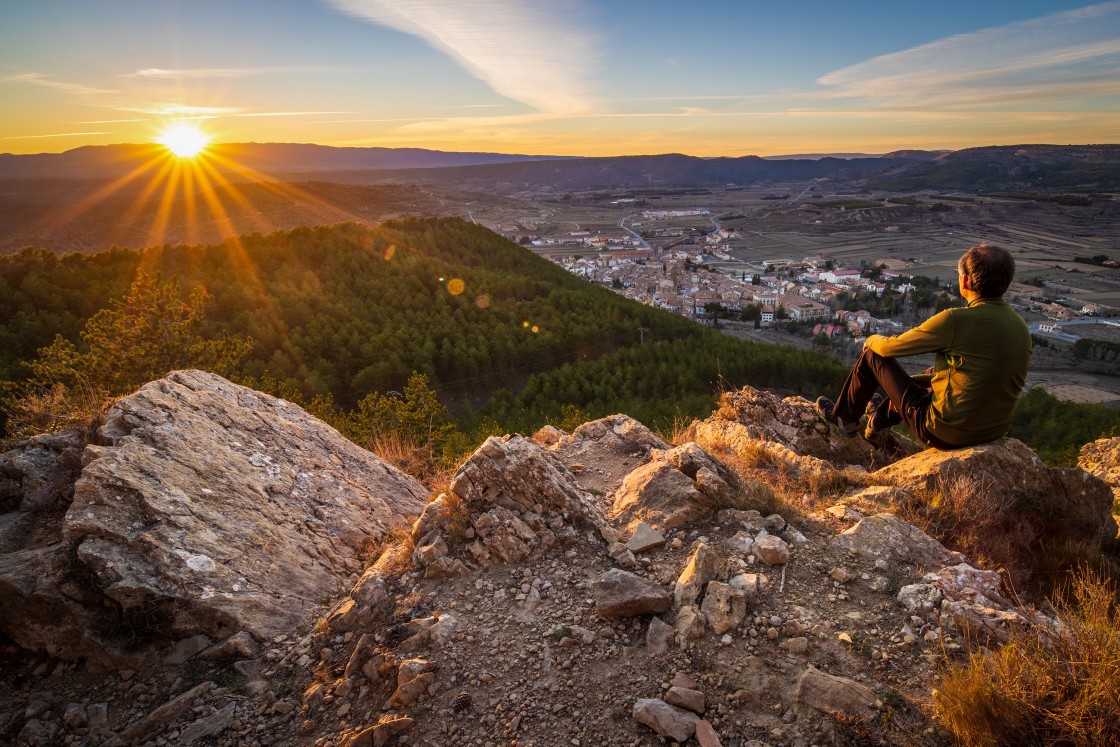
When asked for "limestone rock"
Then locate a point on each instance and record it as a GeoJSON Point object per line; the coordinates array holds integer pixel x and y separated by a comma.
{"type": "Point", "coordinates": [668, 721]}
{"type": "Point", "coordinates": [208, 726]}
{"type": "Point", "coordinates": [548, 435]}
{"type": "Point", "coordinates": [40, 470]}
{"type": "Point", "coordinates": [706, 734]}
{"type": "Point", "coordinates": [704, 565]}
{"type": "Point", "coordinates": [1101, 458]}
{"type": "Point", "coordinates": [519, 499]}
{"type": "Point", "coordinates": [835, 695]}
{"type": "Point", "coordinates": [687, 698]}
{"type": "Point", "coordinates": [644, 539]}
{"type": "Point", "coordinates": [689, 623]}
{"type": "Point", "coordinates": [621, 594]}
{"type": "Point", "coordinates": [750, 420]}
{"type": "Point", "coordinates": [773, 550]}
{"type": "Point", "coordinates": [602, 452]}
{"type": "Point", "coordinates": [1006, 475]}
{"type": "Point", "coordinates": [887, 537]}
{"type": "Point", "coordinates": [751, 583]}
{"type": "Point", "coordinates": [223, 508]}
{"type": "Point", "coordinates": [919, 599]}
{"type": "Point", "coordinates": [971, 599]}
{"type": "Point", "coordinates": [724, 607]}
{"type": "Point", "coordinates": [659, 636]}
{"type": "Point", "coordinates": [674, 488]}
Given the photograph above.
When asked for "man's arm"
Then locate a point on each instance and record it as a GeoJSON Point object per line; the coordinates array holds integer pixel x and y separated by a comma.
{"type": "Point", "coordinates": [930, 336]}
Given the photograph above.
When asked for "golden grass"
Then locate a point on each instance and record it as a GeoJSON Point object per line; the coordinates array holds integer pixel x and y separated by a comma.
{"type": "Point", "coordinates": [45, 409]}
{"type": "Point", "coordinates": [393, 554]}
{"type": "Point", "coordinates": [1044, 688]}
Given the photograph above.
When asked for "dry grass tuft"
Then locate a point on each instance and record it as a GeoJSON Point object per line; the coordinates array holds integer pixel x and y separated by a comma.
{"type": "Point", "coordinates": [773, 484]}
{"type": "Point", "coordinates": [1044, 688]}
{"type": "Point", "coordinates": [45, 409]}
{"type": "Point", "coordinates": [678, 432]}
{"type": "Point", "coordinates": [1035, 554]}
{"type": "Point", "coordinates": [394, 552]}
{"type": "Point", "coordinates": [458, 520]}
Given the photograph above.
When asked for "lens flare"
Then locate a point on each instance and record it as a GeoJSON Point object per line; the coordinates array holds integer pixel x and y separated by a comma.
{"type": "Point", "coordinates": [482, 301]}
{"type": "Point", "coordinates": [456, 286]}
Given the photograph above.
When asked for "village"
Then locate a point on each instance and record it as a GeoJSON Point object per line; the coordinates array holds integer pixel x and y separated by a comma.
{"type": "Point", "coordinates": [685, 269]}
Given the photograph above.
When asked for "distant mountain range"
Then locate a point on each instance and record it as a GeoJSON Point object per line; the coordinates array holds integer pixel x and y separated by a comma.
{"type": "Point", "coordinates": [112, 161]}
{"type": "Point", "coordinates": [671, 171]}
{"type": "Point", "coordinates": [1012, 167]}
{"type": "Point", "coordinates": [996, 168]}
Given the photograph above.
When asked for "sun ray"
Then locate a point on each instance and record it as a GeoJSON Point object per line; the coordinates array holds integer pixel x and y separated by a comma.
{"type": "Point", "coordinates": [163, 213]}
{"type": "Point", "coordinates": [244, 267]}
{"type": "Point", "coordinates": [213, 176]}
{"type": "Point", "coordinates": [141, 201]}
{"type": "Point", "coordinates": [190, 227]}
{"type": "Point", "coordinates": [319, 206]}
{"type": "Point", "coordinates": [91, 201]}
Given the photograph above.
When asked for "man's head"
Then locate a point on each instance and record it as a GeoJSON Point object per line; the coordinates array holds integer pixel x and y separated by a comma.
{"type": "Point", "coordinates": [987, 270]}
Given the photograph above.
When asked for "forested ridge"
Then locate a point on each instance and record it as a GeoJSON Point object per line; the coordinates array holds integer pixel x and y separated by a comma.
{"type": "Point", "coordinates": [340, 318]}
{"type": "Point", "coordinates": [348, 310]}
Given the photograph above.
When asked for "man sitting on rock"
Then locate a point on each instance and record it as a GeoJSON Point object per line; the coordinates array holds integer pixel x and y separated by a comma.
{"type": "Point", "coordinates": [967, 397]}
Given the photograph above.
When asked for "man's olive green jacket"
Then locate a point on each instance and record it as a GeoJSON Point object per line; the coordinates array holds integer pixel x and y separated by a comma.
{"type": "Point", "coordinates": [983, 352]}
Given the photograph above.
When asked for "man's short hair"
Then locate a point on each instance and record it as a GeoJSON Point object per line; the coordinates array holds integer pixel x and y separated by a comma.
{"type": "Point", "coordinates": [990, 270]}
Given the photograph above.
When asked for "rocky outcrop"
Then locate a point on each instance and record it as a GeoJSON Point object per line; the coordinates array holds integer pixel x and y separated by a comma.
{"type": "Point", "coordinates": [514, 498]}
{"type": "Point", "coordinates": [1101, 459]}
{"type": "Point", "coordinates": [750, 419]}
{"type": "Point", "coordinates": [676, 487]}
{"type": "Point", "coordinates": [204, 509]}
{"type": "Point", "coordinates": [524, 604]}
{"type": "Point", "coordinates": [40, 471]}
{"type": "Point", "coordinates": [1006, 475]}
{"type": "Point", "coordinates": [602, 452]}
{"type": "Point", "coordinates": [887, 537]}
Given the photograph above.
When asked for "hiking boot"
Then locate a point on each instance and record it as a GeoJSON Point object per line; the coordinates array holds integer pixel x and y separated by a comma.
{"type": "Point", "coordinates": [880, 438]}
{"type": "Point", "coordinates": [826, 409]}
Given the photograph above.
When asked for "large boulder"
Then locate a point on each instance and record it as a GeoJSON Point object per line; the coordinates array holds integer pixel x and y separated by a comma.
{"type": "Point", "coordinates": [205, 508]}
{"type": "Point", "coordinates": [1005, 475]}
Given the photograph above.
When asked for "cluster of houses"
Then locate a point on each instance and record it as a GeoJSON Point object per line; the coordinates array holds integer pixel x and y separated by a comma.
{"type": "Point", "coordinates": [798, 291]}
{"type": "Point", "coordinates": [1062, 310]}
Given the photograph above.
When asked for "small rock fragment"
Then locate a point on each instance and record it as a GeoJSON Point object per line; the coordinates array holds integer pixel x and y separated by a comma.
{"type": "Point", "coordinates": [773, 550]}
{"type": "Point", "coordinates": [668, 721]}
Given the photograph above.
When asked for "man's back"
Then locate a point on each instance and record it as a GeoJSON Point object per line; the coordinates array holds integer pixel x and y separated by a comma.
{"type": "Point", "coordinates": [979, 373]}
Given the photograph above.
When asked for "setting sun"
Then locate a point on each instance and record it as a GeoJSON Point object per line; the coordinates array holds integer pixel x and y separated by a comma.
{"type": "Point", "coordinates": [183, 140]}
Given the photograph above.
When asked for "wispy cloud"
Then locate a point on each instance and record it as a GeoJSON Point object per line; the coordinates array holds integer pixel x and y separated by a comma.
{"type": "Point", "coordinates": [218, 72]}
{"type": "Point", "coordinates": [286, 114]}
{"type": "Point", "coordinates": [533, 51]}
{"type": "Point", "coordinates": [181, 111]}
{"type": "Point", "coordinates": [53, 134]}
{"type": "Point", "coordinates": [113, 121]}
{"type": "Point", "coordinates": [1061, 57]}
{"type": "Point", "coordinates": [46, 81]}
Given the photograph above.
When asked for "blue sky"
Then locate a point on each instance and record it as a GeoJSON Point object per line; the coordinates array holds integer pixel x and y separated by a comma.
{"type": "Point", "coordinates": [547, 76]}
